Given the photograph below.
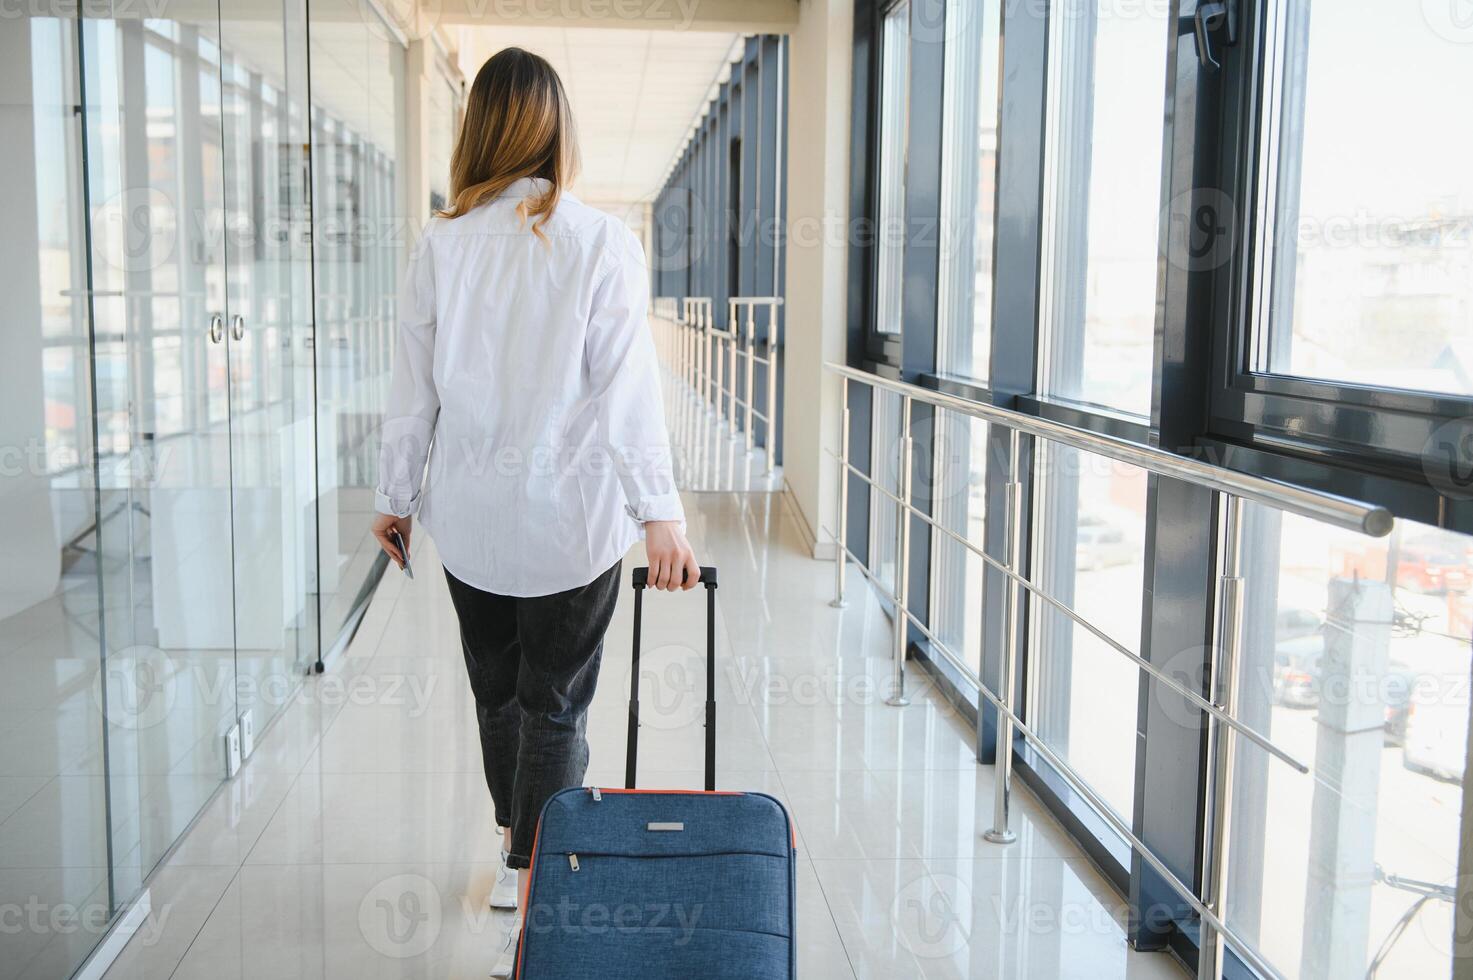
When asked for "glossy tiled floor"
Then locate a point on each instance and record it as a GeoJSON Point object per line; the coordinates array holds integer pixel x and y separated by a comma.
{"type": "Point", "coordinates": [358, 841]}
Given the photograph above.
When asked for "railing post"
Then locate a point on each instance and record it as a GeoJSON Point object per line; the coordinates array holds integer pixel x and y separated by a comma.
{"type": "Point", "coordinates": [687, 361]}
{"type": "Point", "coordinates": [747, 396]}
{"type": "Point", "coordinates": [897, 696]}
{"type": "Point", "coordinates": [733, 342]}
{"type": "Point", "coordinates": [841, 524]}
{"type": "Point", "coordinates": [1002, 768]}
{"type": "Point", "coordinates": [708, 355]}
{"type": "Point", "coordinates": [1222, 689]}
{"type": "Point", "coordinates": [771, 389]}
{"type": "Point", "coordinates": [718, 371]}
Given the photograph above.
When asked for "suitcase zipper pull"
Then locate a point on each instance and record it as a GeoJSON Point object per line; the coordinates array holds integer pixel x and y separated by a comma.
{"type": "Point", "coordinates": [597, 795]}
{"type": "Point", "coordinates": [572, 861]}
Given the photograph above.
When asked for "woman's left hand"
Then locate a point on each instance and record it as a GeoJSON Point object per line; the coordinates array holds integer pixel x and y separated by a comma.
{"type": "Point", "coordinates": [385, 523]}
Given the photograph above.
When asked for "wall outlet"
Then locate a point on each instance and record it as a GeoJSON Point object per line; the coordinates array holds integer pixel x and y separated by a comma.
{"type": "Point", "coordinates": [232, 752]}
{"type": "Point", "coordinates": [247, 734]}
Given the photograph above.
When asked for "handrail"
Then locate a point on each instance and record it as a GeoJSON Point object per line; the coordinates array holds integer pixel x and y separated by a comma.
{"type": "Point", "coordinates": [1317, 505]}
{"type": "Point", "coordinates": [1199, 702]}
{"type": "Point", "coordinates": [1220, 703]}
{"type": "Point", "coordinates": [719, 363]}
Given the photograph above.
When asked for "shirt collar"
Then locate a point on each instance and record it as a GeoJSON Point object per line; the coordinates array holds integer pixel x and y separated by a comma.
{"type": "Point", "coordinates": [524, 187]}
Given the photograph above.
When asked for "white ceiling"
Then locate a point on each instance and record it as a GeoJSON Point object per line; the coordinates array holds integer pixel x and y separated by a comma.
{"type": "Point", "coordinates": [635, 94]}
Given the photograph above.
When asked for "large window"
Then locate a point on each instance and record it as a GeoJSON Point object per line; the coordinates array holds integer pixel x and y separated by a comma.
{"type": "Point", "coordinates": [1088, 552]}
{"type": "Point", "coordinates": [1244, 236]}
{"type": "Point", "coordinates": [958, 493]}
{"type": "Point", "coordinates": [890, 232]}
{"type": "Point", "coordinates": [968, 172]}
{"type": "Point", "coordinates": [1357, 662]}
{"type": "Point", "coordinates": [1102, 201]}
{"type": "Point", "coordinates": [1368, 278]}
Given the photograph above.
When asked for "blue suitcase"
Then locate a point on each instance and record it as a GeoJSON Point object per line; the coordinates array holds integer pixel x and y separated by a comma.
{"type": "Point", "coordinates": [631, 884]}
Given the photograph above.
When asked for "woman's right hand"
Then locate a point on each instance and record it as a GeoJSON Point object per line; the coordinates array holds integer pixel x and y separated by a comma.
{"type": "Point", "coordinates": [385, 523]}
{"type": "Point", "coordinates": [673, 564]}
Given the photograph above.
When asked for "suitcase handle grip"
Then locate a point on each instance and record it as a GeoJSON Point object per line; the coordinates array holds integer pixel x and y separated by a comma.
{"type": "Point", "coordinates": [641, 576]}
{"type": "Point", "coordinates": [640, 581]}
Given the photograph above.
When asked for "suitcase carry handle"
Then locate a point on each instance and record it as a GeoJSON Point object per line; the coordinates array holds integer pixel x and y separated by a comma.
{"type": "Point", "coordinates": [641, 582]}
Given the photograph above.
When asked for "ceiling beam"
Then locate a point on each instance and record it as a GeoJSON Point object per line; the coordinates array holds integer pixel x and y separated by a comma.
{"type": "Point", "coordinates": [731, 16]}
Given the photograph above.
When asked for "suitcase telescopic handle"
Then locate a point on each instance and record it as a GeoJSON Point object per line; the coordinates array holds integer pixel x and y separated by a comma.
{"type": "Point", "coordinates": [641, 582]}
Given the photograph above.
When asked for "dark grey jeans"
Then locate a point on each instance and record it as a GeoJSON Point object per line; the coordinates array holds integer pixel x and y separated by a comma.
{"type": "Point", "coordinates": [533, 665]}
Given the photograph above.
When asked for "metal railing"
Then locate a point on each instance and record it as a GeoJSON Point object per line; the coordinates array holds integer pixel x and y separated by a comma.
{"type": "Point", "coordinates": [1222, 683]}
{"type": "Point", "coordinates": [720, 365]}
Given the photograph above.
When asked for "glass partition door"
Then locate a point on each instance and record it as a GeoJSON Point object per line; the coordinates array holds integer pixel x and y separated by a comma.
{"type": "Point", "coordinates": [268, 340]}
{"type": "Point", "coordinates": [158, 291]}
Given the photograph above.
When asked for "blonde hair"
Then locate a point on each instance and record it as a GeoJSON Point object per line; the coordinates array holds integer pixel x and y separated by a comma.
{"type": "Point", "coordinates": [517, 124]}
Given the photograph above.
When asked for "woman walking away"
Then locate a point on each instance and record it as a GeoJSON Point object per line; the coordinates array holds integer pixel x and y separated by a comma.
{"type": "Point", "coordinates": [524, 359]}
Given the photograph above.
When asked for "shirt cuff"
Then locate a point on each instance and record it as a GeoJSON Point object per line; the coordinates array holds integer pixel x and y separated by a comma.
{"type": "Point", "coordinates": [396, 506]}
{"type": "Point", "coordinates": [658, 507]}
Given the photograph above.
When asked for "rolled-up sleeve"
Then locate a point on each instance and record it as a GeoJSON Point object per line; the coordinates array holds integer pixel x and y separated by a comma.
{"type": "Point", "coordinates": [623, 372]}
{"type": "Point", "coordinates": [413, 404]}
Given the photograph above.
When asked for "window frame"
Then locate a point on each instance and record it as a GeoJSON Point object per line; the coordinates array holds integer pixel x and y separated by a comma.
{"type": "Point", "coordinates": [881, 349]}
{"type": "Point", "coordinates": [1309, 424]}
{"type": "Point", "coordinates": [1204, 402]}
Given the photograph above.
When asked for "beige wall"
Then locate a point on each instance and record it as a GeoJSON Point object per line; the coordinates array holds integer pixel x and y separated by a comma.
{"type": "Point", "coordinates": [816, 213]}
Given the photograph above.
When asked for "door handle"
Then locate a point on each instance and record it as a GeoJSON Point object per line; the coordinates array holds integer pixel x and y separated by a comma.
{"type": "Point", "coordinates": [237, 327]}
{"type": "Point", "coordinates": [217, 328]}
{"type": "Point", "coordinates": [1213, 16]}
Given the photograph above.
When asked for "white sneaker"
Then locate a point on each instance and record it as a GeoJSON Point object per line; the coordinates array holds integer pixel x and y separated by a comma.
{"type": "Point", "coordinates": [504, 892]}
{"type": "Point", "coordinates": [506, 960]}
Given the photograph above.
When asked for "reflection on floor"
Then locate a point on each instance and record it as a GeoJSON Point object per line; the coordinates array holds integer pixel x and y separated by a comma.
{"type": "Point", "coordinates": [359, 841]}
{"type": "Point", "coordinates": [711, 454]}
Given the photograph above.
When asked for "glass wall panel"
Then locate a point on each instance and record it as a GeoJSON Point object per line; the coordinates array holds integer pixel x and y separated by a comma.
{"type": "Point", "coordinates": [269, 342]}
{"type": "Point", "coordinates": [1088, 552]}
{"type": "Point", "coordinates": [959, 502]}
{"type": "Point", "coordinates": [156, 189]}
{"type": "Point", "coordinates": [359, 237]}
{"type": "Point", "coordinates": [1370, 275]}
{"type": "Point", "coordinates": [885, 471]}
{"type": "Point", "coordinates": [894, 110]}
{"type": "Point", "coordinates": [53, 808]}
{"type": "Point", "coordinates": [1102, 200]}
{"type": "Point", "coordinates": [1356, 660]}
{"type": "Point", "coordinates": [968, 179]}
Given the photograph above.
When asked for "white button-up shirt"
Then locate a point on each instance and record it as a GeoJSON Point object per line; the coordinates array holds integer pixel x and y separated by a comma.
{"type": "Point", "coordinates": [530, 367]}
